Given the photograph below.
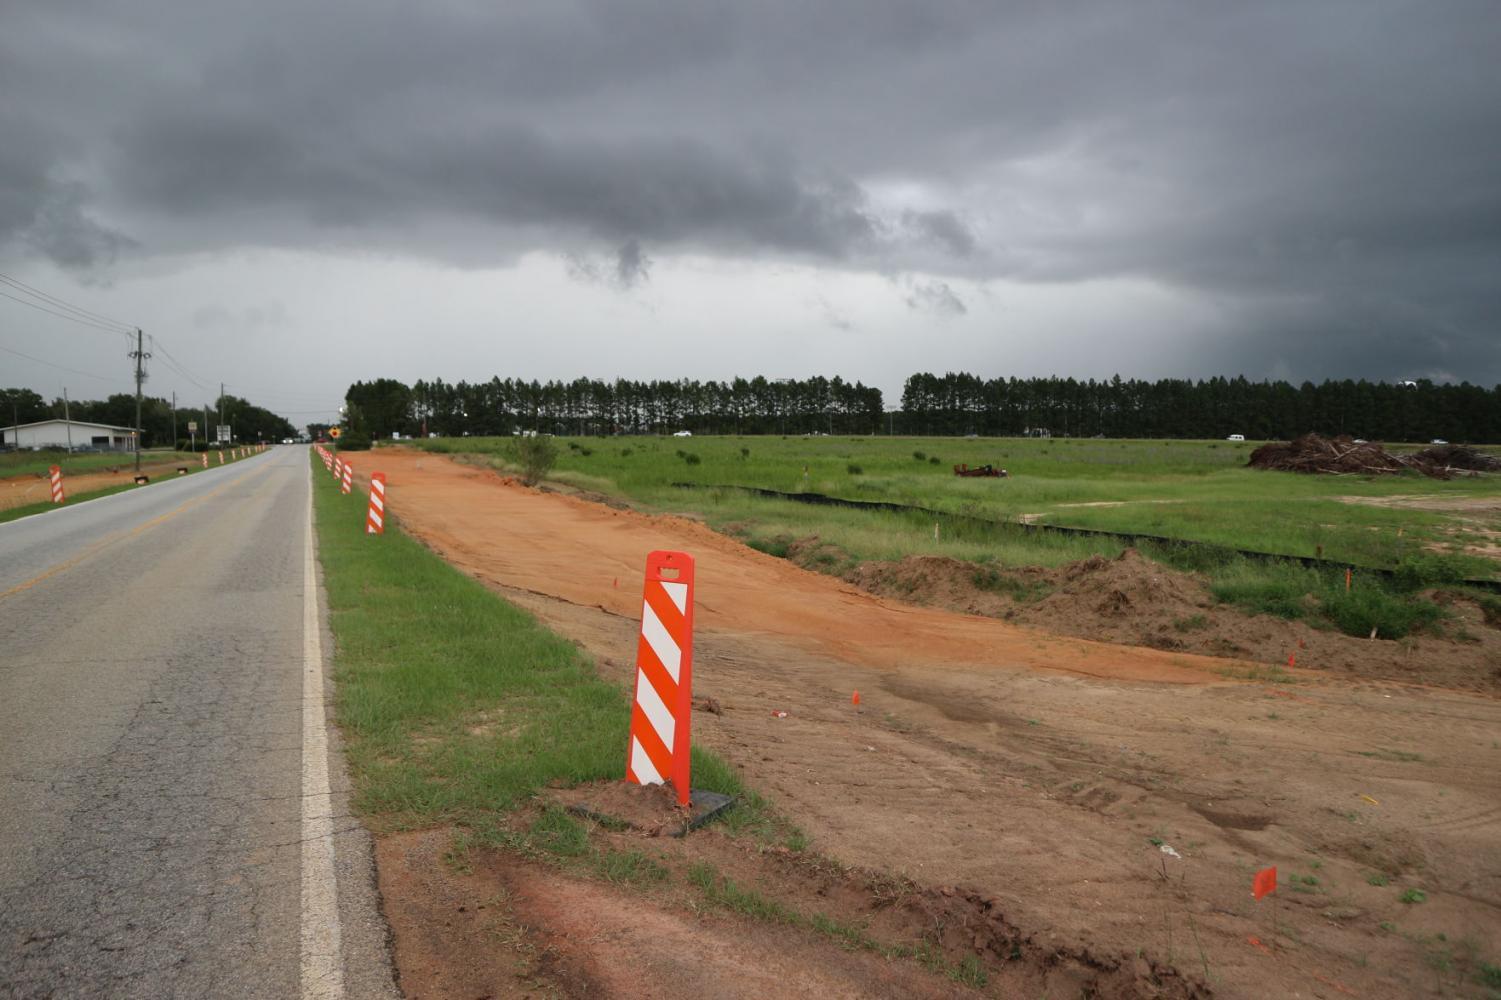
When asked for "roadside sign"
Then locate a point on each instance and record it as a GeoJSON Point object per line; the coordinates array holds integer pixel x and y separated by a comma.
{"type": "Point", "coordinates": [222, 431]}
{"type": "Point", "coordinates": [192, 427]}
{"type": "Point", "coordinates": [334, 433]}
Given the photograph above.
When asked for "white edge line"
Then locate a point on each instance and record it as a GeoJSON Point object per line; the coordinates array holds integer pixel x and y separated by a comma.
{"type": "Point", "coordinates": [322, 966]}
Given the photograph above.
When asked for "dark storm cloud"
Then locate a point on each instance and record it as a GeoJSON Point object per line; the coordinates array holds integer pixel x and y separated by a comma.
{"type": "Point", "coordinates": [1325, 174]}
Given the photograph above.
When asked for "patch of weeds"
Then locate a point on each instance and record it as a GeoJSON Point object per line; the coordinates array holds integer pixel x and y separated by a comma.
{"type": "Point", "coordinates": [628, 868]}
{"type": "Point", "coordinates": [558, 833]}
{"type": "Point", "coordinates": [744, 453]}
{"type": "Point", "coordinates": [625, 453]}
{"type": "Point", "coordinates": [777, 546]}
{"type": "Point", "coordinates": [1193, 623]}
{"type": "Point", "coordinates": [935, 460]}
{"type": "Point", "coordinates": [1378, 879]}
{"type": "Point", "coordinates": [797, 842]}
{"type": "Point", "coordinates": [989, 579]}
{"type": "Point", "coordinates": [854, 469]}
{"type": "Point", "coordinates": [1411, 896]}
{"type": "Point", "coordinates": [1270, 674]}
{"type": "Point", "coordinates": [1489, 975]}
{"type": "Point", "coordinates": [920, 456]}
{"type": "Point", "coordinates": [1388, 926]}
{"type": "Point", "coordinates": [691, 458]}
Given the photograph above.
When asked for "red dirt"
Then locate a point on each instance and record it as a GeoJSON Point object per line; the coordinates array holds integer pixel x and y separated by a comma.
{"type": "Point", "coordinates": [1039, 771]}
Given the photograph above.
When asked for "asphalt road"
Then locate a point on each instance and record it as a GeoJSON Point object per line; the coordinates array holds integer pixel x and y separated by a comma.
{"type": "Point", "coordinates": [163, 829]}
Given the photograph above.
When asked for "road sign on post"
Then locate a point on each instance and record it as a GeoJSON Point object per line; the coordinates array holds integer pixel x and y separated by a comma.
{"type": "Point", "coordinates": [221, 433]}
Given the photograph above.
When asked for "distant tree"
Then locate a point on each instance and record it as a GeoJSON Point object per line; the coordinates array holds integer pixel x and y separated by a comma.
{"type": "Point", "coordinates": [386, 405]}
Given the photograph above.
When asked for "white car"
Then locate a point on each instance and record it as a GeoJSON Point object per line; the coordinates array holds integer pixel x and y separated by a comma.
{"type": "Point", "coordinates": [1438, 441]}
{"type": "Point", "coordinates": [1236, 437]}
{"type": "Point", "coordinates": [682, 434]}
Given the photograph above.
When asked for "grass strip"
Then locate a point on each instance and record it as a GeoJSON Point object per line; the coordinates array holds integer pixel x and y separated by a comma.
{"type": "Point", "coordinates": [456, 706]}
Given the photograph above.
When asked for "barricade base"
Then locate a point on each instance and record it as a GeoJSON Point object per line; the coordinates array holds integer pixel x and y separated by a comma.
{"type": "Point", "coordinates": [703, 807]}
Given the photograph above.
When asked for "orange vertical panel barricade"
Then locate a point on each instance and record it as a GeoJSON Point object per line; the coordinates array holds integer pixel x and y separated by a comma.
{"type": "Point", "coordinates": [345, 481]}
{"type": "Point", "coordinates": [662, 708]}
{"type": "Point", "coordinates": [205, 460]}
{"type": "Point", "coordinates": [56, 475]}
{"type": "Point", "coordinates": [375, 518]}
{"type": "Point", "coordinates": [221, 457]}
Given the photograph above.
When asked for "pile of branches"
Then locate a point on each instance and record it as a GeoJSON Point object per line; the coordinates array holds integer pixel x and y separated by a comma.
{"type": "Point", "coordinates": [1453, 458]}
{"type": "Point", "coordinates": [1345, 456]}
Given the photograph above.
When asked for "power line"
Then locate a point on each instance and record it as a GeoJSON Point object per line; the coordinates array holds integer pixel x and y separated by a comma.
{"type": "Point", "coordinates": [60, 315]}
{"type": "Point", "coordinates": [178, 366]}
{"type": "Point", "coordinates": [63, 303]}
{"type": "Point", "coordinates": [61, 368]}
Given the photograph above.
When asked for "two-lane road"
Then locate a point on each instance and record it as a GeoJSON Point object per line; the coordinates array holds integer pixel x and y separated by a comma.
{"type": "Point", "coordinates": [166, 823]}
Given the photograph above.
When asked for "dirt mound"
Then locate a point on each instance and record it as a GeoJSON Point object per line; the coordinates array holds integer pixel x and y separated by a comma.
{"type": "Point", "coordinates": [1128, 586]}
{"type": "Point", "coordinates": [1131, 599]}
{"type": "Point", "coordinates": [1344, 455]}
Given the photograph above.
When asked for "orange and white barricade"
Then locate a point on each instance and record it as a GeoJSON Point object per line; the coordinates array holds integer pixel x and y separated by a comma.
{"type": "Point", "coordinates": [375, 518]}
{"type": "Point", "coordinates": [338, 468]}
{"type": "Point", "coordinates": [221, 456]}
{"type": "Point", "coordinates": [662, 709]}
{"type": "Point", "coordinates": [205, 460]}
{"type": "Point", "coordinates": [346, 480]}
{"type": "Point", "coordinates": [55, 474]}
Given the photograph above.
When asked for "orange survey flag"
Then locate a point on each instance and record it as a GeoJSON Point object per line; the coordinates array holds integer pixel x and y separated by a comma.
{"type": "Point", "coordinates": [1264, 882]}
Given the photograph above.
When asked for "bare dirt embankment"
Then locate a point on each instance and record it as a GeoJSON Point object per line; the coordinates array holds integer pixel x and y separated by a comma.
{"type": "Point", "coordinates": [1044, 773]}
{"type": "Point", "coordinates": [18, 491]}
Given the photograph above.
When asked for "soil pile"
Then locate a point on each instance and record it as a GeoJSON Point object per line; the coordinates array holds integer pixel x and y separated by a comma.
{"type": "Point", "coordinates": [1128, 587]}
{"type": "Point", "coordinates": [1345, 456]}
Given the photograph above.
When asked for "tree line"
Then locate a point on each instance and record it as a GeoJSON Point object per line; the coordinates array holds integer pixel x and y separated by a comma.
{"type": "Point", "coordinates": [249, 422]}
{"type": "Point", "coordinates": [959, 403]}
{"type": "Point", "coordinates": [592, 406]}
{"type": "Point", "coordinates": [951, 404]}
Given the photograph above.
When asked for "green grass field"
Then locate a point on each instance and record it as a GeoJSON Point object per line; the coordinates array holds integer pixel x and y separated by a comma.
{"type": "Point", "coordinates": [1194, 490]}
{"type": "Point", "coordinates": [1198, 491]}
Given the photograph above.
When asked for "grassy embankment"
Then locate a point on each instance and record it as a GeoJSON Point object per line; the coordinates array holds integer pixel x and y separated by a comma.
{"type": "Point", "coordinates": [457, 707]}
{"type": "Point", "coordinates": [1198, 491]}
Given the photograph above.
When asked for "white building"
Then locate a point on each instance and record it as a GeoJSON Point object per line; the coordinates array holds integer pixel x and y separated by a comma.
{"type": "Point", "coordinates": [61, 433]}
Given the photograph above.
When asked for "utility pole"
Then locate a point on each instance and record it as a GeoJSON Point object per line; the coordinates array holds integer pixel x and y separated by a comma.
{"type": "Point", "coordinates": [174, 419]}
{"type": "Point", "coordinates": [221, 409]}
{"type": "Point", "coordinates": [140, 356]}
{"type": "Point", "coordinates": [68, 420]}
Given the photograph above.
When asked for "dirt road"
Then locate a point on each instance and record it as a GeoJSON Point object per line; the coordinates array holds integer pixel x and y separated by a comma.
{"type": "Point", "coordinates": [1053, 773]}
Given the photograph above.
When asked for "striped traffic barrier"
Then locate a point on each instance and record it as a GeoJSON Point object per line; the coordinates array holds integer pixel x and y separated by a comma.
{"type": "Point", "coordinates": [221, 456]}
{"type": "Point", "coordinates": [662, 709]}
{"type": "Point", "coordinates": [375, 518]}
{"type": "Point", "coordinates": [345, 481]}
{"type": "Point", "coordinates": [205, 460]}
{"type": "Point", "coordinates": [338, 468]}
{"type": "Point", "coordinates": [55, 473]}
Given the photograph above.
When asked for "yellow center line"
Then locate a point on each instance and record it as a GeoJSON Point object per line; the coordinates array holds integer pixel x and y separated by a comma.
{"type": "Point", "coordinates": [106, 542]}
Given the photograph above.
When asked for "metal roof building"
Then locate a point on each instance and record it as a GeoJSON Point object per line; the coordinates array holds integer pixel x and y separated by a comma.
{"type": "Point", "coordinates": [77, 434]}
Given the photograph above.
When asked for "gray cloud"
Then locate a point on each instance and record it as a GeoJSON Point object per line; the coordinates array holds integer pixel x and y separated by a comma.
{"type": "Point", "coordinates": [1324, 175]}
{"type": "Point", "coordinates": [936, 297]}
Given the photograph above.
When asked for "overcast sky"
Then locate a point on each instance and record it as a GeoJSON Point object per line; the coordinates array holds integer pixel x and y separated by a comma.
{"type": "Point", "coordinates": [292, 196]}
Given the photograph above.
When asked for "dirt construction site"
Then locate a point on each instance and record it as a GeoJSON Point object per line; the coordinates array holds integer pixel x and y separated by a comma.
{"type": "Point", "coordinates": [1086, 815]}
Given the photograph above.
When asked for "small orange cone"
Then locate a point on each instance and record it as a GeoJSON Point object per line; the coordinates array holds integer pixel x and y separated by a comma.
{"type": "Point", "coordinates": [855, 699]}
{"type": "Point", "coordinates": [1292, 659]}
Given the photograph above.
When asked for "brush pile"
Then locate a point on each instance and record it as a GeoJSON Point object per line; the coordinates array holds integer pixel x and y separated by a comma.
{"type": "Point", "coordinates": [1346, 456]}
